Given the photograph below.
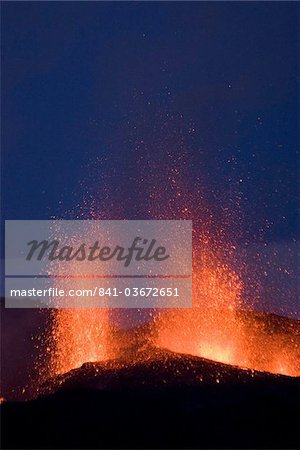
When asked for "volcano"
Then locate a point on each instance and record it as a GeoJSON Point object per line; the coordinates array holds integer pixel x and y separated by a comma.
{"type": "Point", "coordinates": [151, 397]}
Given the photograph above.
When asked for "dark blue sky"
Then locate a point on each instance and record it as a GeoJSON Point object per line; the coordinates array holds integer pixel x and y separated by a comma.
{"type": "Point", "coordinates": [91, 90]}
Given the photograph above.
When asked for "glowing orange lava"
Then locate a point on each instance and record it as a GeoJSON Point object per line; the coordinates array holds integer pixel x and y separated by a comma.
{"type": "Point", "coordinates": [78, 336]}
{"type": "Point", "coordinates": [216, 328]}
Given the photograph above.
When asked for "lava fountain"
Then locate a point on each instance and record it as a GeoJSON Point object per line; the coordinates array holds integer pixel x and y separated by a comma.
{"type": "Point", "coordinates": [77, 335]}
{"type": "Point", "coordinates": [218, 328]}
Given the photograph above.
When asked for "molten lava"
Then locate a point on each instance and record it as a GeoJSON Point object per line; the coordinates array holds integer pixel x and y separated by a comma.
{"type": "Point", "coordinates": [217, 328]}
{"type": "Point", "coordinates": [78, 336]}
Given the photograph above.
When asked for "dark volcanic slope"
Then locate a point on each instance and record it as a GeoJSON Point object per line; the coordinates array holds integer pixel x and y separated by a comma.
{"type": "Point", "coordinates": [153, 368]}
{"type": "Point", "coordinates": [163, 400]}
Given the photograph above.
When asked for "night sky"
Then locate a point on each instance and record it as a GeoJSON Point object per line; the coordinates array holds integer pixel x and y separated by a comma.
{"type": "Point", "coordinates": [81, 80]}
{"type": "Point", "coordinates": [93, 92]}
